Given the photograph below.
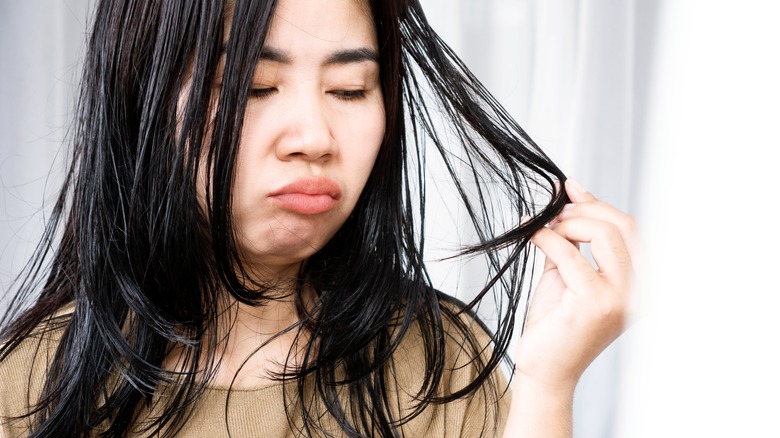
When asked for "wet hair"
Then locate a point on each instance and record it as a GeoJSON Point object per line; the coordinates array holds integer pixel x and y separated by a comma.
{"type": "Point", "coordinates": [147, 266]}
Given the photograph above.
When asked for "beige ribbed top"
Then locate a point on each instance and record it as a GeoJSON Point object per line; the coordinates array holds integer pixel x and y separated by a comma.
{"type": "Point", "coordinates": [261, 413]}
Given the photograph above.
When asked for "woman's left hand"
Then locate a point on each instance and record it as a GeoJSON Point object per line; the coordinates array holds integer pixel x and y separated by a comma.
{"type": "Point", "coordinates": [577, 310]}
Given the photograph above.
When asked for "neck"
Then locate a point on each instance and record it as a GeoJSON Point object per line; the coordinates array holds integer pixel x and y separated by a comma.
{"type": "Point", "coordinates": [256, 343]}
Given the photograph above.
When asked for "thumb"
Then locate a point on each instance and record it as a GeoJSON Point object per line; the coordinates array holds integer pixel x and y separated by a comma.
{"type": "Point", "coordinates": [577, 192]}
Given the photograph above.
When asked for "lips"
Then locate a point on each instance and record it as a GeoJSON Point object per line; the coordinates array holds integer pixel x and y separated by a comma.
{"type": "Point", "coordinates": [309, 196]}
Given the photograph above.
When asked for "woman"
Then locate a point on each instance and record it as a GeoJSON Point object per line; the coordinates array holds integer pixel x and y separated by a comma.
{"type": "Point", "coordinates": [237, 247]}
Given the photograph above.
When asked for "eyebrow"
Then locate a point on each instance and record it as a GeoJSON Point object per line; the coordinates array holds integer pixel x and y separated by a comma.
{"type": "Point", "coordinates": [340, 57]}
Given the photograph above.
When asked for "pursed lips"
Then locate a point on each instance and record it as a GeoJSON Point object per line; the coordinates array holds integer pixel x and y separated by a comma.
{"type": "Point", "coordinates": [309, 195]}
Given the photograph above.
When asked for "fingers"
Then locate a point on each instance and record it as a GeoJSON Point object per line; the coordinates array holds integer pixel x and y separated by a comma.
{"type": "Point", "coordinates": [624, 223]}
{"type": "Point", "coordinates": [573, 267]}
{"type": "Point", "coordinates": [600, 296]}
{"type": "Point", "coordinates": [607, 246]}
{"type": "Point", "coordinates": [590, 207]}
{"type": "Point", "coordinates": [611, 233]}
{"type": "Point", "coordinates": [576, 192]}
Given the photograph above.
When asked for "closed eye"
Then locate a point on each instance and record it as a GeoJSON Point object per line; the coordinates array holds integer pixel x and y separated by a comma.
{"type": "Point", "coordinates": [349, 94]}
{"type": "Point", "coordinates": [259, 93]}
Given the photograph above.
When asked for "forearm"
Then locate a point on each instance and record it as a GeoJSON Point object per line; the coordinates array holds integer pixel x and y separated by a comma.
{"type": "Point", "coordinates": [539, 411]}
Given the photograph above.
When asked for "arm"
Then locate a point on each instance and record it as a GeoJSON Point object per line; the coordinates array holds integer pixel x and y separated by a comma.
{"type": "Point", "coordinates": [539, 411]}
{"type": "Point", "coordinates": [576, 312]}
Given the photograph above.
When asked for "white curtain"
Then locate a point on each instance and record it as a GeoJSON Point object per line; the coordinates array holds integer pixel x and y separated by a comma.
{"type": "Point", "coordinates": [572, 72]}
{"type": "Point", "coordinates": [704, 361]}
{"type": "Point", "coordinates": [41, 43]}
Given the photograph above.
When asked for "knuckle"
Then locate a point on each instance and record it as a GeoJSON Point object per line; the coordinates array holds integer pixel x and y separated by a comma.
{"type": "Point", "coordinates": [540, 235]}
{"type": "Point", "coordinates": [610, 309]}
{"type": "Point", "coordinates": [610, 231]}
{"type": "Point", "coordinates": [630, 224]}
{"type": "Point", "coordinates": [571, 252]}
{"type": "Point", "coordinates": [592, 278]}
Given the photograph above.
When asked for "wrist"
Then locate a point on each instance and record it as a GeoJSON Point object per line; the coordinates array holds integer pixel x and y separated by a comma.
{"type": "Point", "coordinates": [540, 408]}
{"type": "Point", "coordinates": [547, 383]}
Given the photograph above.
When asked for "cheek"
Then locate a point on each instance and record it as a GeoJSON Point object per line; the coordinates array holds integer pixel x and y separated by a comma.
{"type": "Point", "coordinates": [372, 131]}
{"type": "Point", "coordinates": [373, 142]}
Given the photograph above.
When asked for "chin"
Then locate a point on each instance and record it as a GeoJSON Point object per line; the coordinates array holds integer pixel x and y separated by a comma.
{"type": "Point", "coordinates": [288, 250]}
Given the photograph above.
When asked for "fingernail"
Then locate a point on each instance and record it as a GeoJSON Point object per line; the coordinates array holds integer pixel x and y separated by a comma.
{"type": "Point", "coordinates": [575, 186]}
{"type": "Point", "coordinates": [568, 207]}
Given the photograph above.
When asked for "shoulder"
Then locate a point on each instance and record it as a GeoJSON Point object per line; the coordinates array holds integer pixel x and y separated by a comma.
{"type": "Point", "coordinates": [467, 341]}
{"type": "Point", "coordinates": [23, 370]}
{"type": "Point", "coordinates": [467, 346]}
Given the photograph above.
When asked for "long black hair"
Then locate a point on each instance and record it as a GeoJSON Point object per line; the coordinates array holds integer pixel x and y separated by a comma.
{"type": "Point", "coordinates": [146, 266]}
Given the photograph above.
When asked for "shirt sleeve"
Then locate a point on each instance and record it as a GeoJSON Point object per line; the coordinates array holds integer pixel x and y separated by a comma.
{"type": "Point", "coordinates": [22, 375]}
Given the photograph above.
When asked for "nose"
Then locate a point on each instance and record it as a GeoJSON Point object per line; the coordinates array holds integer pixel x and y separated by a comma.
{"type": "Point", "coordinates": [307, 131]}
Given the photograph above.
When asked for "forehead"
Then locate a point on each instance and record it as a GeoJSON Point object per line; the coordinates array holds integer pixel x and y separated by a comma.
{"type": "Point", "coordinates": [328, 24]}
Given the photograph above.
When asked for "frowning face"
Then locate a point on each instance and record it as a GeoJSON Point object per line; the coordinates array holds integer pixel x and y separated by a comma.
{"type": "Point", "coordinates": [313, 127]}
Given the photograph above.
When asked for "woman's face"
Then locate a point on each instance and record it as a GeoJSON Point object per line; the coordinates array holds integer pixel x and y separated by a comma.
{"type": "Point", "coordinates": [313, 127]}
